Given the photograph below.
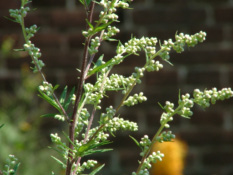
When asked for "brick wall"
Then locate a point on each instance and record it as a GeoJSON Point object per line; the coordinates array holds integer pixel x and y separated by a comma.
{"type": "Point", "coordinates": [209, 134]}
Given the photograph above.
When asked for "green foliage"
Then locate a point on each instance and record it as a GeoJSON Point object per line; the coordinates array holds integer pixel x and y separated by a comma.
{"type": "Point", "coordinates": [78, 109]}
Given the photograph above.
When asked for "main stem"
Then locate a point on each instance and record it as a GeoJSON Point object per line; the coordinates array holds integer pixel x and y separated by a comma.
{"type": "Point", "coordinates": [72, 122]}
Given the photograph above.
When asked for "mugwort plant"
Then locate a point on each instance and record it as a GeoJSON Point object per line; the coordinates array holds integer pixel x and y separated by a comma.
{"type": "Point", "coordinates": [82, 105]}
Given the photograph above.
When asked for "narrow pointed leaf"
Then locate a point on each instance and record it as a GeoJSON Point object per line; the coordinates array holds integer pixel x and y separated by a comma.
{"type": "Point", "coordinates": [97, 170]}
{"type": "Point", "coordinates": [63, 96]}
{"type": "Point", "coordinates": [17, 50]}
{"type": "Point", "coordinates": [137, 143]}
{"type": "Point", "coordinates": [48, 115]}
{"type": "Point", "coordinates": [49, 100]}
{"type": "Point", "coordinates": [67, 102]}
{"type": "Point", "coordinates": [59, 161]}
{"type": "Point", "coordinates": [16, 167]}
{"type": "Point", "coordinates": [56, 87]}
{"type": "Point", "coordinates": [92, 151]}
{"type": "Point", "coordinates": [1, 125]}
{"type": "Point", "coordinates": [161, 105]}
{"type": "Point", "coordinates": [88, 2]}
{"type": "Point", "coordinates": [90, 25]}
{"type": "Point", "coordinates": [68, 138]}
{"type": "Point", "coordinates": [13, 20]}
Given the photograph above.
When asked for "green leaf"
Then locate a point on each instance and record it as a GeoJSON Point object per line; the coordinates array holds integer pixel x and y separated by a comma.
{"type": "Point", "coordinates": [147, 58]}
{"type": "Point", "coordinates": [161, 105]}
{"type": "Point", "coordinates": [15, 169]}
{"type": "Point", "coordinates": [88, 2]}
{"type": "Point", "coordinates": [67, 102]}
{"type": "Point", "coordinates": [55, 87]}
{"type": "Point", "coordinates": [101, 27]}
{"type": "Point", "coordinates": [1, 125]}
{"type": "Point", "coordinates": [137, 143]}
{"type": "Point", "coordinates": [99, 61]}
{"type": "Point", "coordinates": [184, 116]}
{"type": "Point", "coordinates": [48, 115]}
{"type": "Point", "coordinates": [108, 63]}
{"type": "Point", "coordinates": [112, 39]}
{"type": "Point", "coordinates": [17, 50]}
{"type": "Point", "coordinates": [82, 2]}
{"type": "Point", "coordinates": [97, 170]}
{"type": "Point", "coordinates": [89, 148]}
{"type": "Point", "coordinates": [63, 96]}
{"type": "Point", "coordinates": [93, 151]}
{"type": "Point", "coordinates": [13, 20]}
{"type": "Point", "coordinates": [90, 25]}
{"type": "Point", "coordinates": [59, 161]}
{"type": "Point", "coordinates": [67, 137]}
{"type": "Point", "coordinates": [49, 100]}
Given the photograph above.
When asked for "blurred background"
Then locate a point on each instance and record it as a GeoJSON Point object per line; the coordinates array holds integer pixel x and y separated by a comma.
{"type": "Point", "coordinates": [205, 145]}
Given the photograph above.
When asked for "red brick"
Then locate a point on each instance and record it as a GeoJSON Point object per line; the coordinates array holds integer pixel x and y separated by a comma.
{"type": "Point", "coordinates": [71, 78]}
{"type": "Point", "coordinates": [162, 77]}
{"type": "Point", "coordinates": [16, 63]}
{"type": "Point", "coordinates": [207, 118]}
{"type": "Point", "coordinates": [169, 16]}
{"type": "Point", "coordinates": [224, 14]}
{"type": "Point", "coordinates": [65, 19]}
{"type": "Point", "coordinates": [48, 40]}
{"type": "Point", "coordinates": [59, 60]}
{"type": "Point", "coordinates": [9, 4]}
{"type": "Point", "coordinates": [205, 136]}
{"type": "Point", "coordinates": [153, 120]}
{"type": "Point", "coordinates": [163, 33]}
{"type": "Point", "coordinates": [48, 3]}
{"type": "Point", "coordinates": [210, 78]}
{"type": "Point", "coordinates": [38, 17]}
{"type": "Point", "coordinates": [214, 33]}
{"type": "Point", "coordinates": [161, 94]}
{"type": "Point", "coordinates": [210, 1]}
{"type": "Point", "coordinates": [76, 41]}
{"type": "Point", "coordinates": [204, 57]}
{"type": "Point", "coordinates": [171, 1]}
{"type": "Point", "coordinates": [6, 24]}
{"type": "Point", "coordinates": [218, 158]}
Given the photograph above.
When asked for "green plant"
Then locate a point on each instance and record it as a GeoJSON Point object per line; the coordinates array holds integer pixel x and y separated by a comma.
{"type": "Point", "coordinates": [79, 109]}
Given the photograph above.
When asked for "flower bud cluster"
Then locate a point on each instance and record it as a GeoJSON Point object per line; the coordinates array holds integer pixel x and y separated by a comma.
{"type": "Point", "coordinates": [31, 31]}
{"type": "Point", "coordinates": [105, 117]}
{"type": "Point", "coordinates": [168, 115]}
{"type": "Point", "coordinates": [46, 88]}
{"type": "Point", "coordinates": [135, 45]}
{"type": "Point", "coordinates": [117, 123]}
{"type": "Point", "coordinates": [179, 44]}
{"type": "Point", "coordinates": [139, 72]}
{"type": "Point", "coordinates": [133, 100]}
{"type": "Point", "coordinates": [18, 14]}
{"type": "Point", "coordinates": [152, 158]}
{"type": "Point", "coordinates": [55, 138]}
{"type": "Point", "coordinates": [145, 144]}
{"type": "Point", "coordinates": [165, 137]}
{"type": "Point", "coordinates": [82, 120]}
{"type": "Point", "coordinates": [86, 165]}
{"type": "Point", "coordinates": [153, 65]}
{"type": "Point", "coordinates": [95, 43]}
{"type": "Point", "coordinates": [211, 96]}
{"type": "Point", "coordinates": [111, 31]}
{"type": "Point", "coordinates": [110, 8]}
{"type": "Point", "coordinates": [35, 53]}
{"type": "Point", "coordinates": [123, 4]}
{"type": "Point", "coordinates": [59, 117]}
{"type": "Point", "coordinates": [94, 98]}
{"type": "Point", "coordinates": [186, 104]}
{"type": "Point", "coordinates": [10, 166]}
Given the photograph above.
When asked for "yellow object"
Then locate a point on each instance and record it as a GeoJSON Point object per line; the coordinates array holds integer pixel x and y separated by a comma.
{"type": "Point", "coordinates": [173, 161]}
